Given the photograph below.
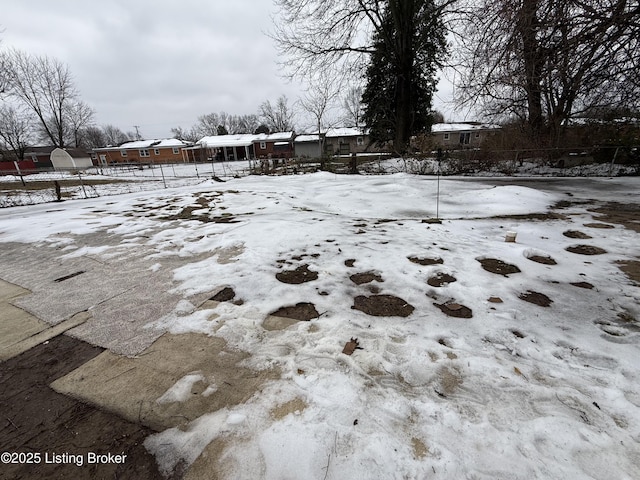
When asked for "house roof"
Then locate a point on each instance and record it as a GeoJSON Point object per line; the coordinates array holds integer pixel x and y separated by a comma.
{"type": "Point", "coordinates": [461, 127]}
{"type": "Point", "coordinates": [346, 132]}
{"type": "Point", "coordinates": [307, 138]}
{"type": "Point", "coordinates": [77, 153]}
{"type": "Point", "coordinates": [155, 143]}
{"type": "Point", "coordinates": [244, 139]}
{"type": "Point", "coordinates": [218, 141]}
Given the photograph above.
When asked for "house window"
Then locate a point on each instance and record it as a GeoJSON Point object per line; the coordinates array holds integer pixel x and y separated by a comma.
{"type": "Point", "coordinates": [34, 158]}
{"type": "Point", "coordinates": [465, 138]}
{"type": "Point", "coordinates": [176, 150]}
{"type": "Point", "coordinates": [156, 151]}
{"type": "Point", "coordinates": [103, 159]}
{"type": "Point", "coordinates": [144, 152]}
{"type": "Point", "coordinates": [446, 137]}
{"type": "Point", "coordinates": [263, 145]}
{"type": "Point", "coordinates": [360, 141]}
{"type": "Point", "coordinates": [123, 153]}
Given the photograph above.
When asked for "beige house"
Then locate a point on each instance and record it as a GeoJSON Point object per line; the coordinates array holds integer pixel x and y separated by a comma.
{"type": "Point", "coordinates": [346, 140]}
{"type": "Point", "coordinates": [454, 136]}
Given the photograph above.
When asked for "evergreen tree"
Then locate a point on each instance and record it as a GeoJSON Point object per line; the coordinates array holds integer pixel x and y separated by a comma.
{"type": "Point", "coordinates": [408, 49]}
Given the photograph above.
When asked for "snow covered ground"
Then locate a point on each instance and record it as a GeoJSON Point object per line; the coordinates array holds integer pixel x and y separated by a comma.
{"type": "Point", "coordinates": [517, 391]}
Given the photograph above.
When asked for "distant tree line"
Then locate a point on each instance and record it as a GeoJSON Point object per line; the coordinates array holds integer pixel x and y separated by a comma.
{"type": "Point", "coordinates": [276, 117]}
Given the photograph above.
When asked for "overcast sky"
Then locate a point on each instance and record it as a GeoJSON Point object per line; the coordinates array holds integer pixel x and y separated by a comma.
{"type": "Point", "coordinates": [158, 64]}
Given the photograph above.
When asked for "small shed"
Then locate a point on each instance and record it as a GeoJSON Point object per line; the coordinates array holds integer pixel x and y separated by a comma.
{"type": "Point", "coordinates": [70, 159]}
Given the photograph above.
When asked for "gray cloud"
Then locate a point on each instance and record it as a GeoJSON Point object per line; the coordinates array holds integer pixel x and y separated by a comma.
{"type": "Point", "coordinates": [157, 64]}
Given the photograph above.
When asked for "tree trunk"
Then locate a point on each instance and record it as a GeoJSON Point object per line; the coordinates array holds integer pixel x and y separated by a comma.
{"type": "Point", "coordinates": [527, 27]}
{"type": "Point", "coordinates": [403, 15]}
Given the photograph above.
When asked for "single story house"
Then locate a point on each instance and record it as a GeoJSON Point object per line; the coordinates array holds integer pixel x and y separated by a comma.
{"type": "Point", "coordinates": [346, 140]}
{"type": "Point", "coordinates": [168, 150]}
{"type": "Point", "coordinates": [273, 145]}
{"type": "Point", "coordinates": [334, 141]}
{"type": "Point", "coordinates": [40, 156]}
{"type": "Point", "coordinates": [307, 145]}
{"type": "Point", "coordinates": [247, 146]}
{"type": "Point", "coordinates": [462, 135]}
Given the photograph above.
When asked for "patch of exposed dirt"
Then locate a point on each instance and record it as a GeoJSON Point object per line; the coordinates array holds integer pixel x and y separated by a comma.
{"type": "Point", "coordinates": [536, 298]}
{"type": "Point", "coordinates": [284, 409]}
{"type": "Point", "coordinates": [599, 225]}
{"type": "Point", "coordinates": [225, 295]}
{"type": "Point", "coordinates": [533, 216]}
{"type": "Point", "coordinates": [576, 234]}
{"type": "Point", "coordinates": [586, 285]}
{"type": "Point", "coordinates": [420, 450]}
{"type": "Point", "coordinates": [631, 268]}
{"type": "Point", "coordinates": [542, 259]}
{"type": "Point", "coordinates": [456, 310]}
{"type": "Point", "coordinates": [303, 311]}
{"type": "Point", "coordinates": [301, 274]}
{"type": "Point", "coordinates": [441, 279]}
{"type": "Point", "coordinates": [627, 214]}
{"type": "Point", "coordinates": [36, 419]}
{"type": "Point", "coordinates": [426, 260]}
{"type": "Point", "coordinates": [299, 258]}
{"type": "Point", "coordinates": [499, 267]}
{"type": "Point", "coordinates": [365, 277]}
{"type": "Point", "coordinates": [383, 306]}
{"type": "Point", "coordinates": [350, 262]}
{"type": "Point", "coordinates": [449, 380]}
{"type": "Point", "coordinates": [187, 214]}
{"type": "Point", "coordinates": [585, 250]}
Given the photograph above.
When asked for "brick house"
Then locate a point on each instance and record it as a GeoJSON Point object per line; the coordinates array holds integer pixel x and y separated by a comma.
{"type": "Point", "coordinates": [169, 150]}
{"type": "Point", "coordinates": [274, 145]}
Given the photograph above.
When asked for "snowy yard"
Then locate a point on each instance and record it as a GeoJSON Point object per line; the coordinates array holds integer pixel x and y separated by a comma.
{"type": "Point", "coordinates": [471, 374]}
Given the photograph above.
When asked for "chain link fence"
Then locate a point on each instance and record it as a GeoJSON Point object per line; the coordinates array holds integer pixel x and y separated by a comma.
{"type": "Point", "coordinates": [43, 186]}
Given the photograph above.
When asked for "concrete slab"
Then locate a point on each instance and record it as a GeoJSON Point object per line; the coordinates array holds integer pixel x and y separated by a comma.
{"type": "Point", "coordinates": [209, 373]}
{"type": "Point", "coordinates": [122, 292]}
{"type": "Point", "coordinates": [19, 330]}
{"type": "Point", "coordinates": [42, 336]}
{"type": "Point", "coordinates": [16, 325]}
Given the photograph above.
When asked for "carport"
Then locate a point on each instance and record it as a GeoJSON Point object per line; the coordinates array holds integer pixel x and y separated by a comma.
{"type": "Point", "coordinates": [229, 147]}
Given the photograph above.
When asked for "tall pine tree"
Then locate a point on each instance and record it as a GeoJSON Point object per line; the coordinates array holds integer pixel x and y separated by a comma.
{"type": "Point", "coordinates": [401, 80]}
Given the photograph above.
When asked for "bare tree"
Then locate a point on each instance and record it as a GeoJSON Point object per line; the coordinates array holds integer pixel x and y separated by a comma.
{"type": "Point", "coordinates": [547, 61]}
{"type": "Point", "coordinates": [191, 135]}
{"type": "Point", "coordinates": [278, 117]}
{"type": "Point", "coordinates": [16, 129]}
{"type": "Point", "coordinates": [46, 87]}
{"type": "Point", "coordinates": [92, 136]}
{"type": "Point", "coordinates": [113, 136]}
{"type": "Point", "coordinates": [352, 107]}
{"type": "Point", "coordinates": [248, 123]}
{"type": "Point", "coordinates": [208, 124]}
{"type": "Point", "coordinates": [318, 100]}
{"type": "Point", "coordinates": [78, 116]}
